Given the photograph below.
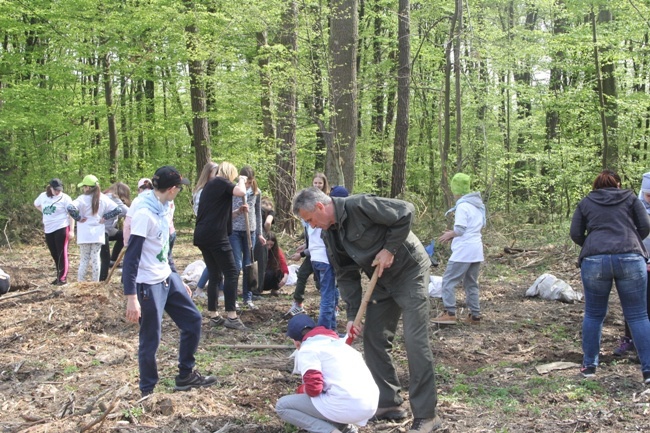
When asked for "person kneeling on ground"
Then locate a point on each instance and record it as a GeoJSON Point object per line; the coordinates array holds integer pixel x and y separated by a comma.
{"type": "Point", "coordinates": [337, 391]}
{"type": "Point", "coordinates": [151, 287]}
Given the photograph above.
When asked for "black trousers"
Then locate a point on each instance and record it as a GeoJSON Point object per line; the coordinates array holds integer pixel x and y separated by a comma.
{"type": "Point", "coordinates": [105, 255]}
{"type": "Point", "coordinates": [57, 243]}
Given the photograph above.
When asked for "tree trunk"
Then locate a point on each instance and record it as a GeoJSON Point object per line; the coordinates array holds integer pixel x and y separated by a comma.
{"type": "Point", "coordinates": [201, 139]}
{"type": "Point", "coordinates": [606, 95]}
{"type": "Point", "coordinates": [150, 109]}
{"type": "Point", "coordinates": [112, 124]}
{"type": "Point", "coordinates": [283, 179]}
{"type": "Point", "coordinates": [403, 98]}
{"type": "Point", "coordinates": [268, 131]}
{"type": "Point", "coordinates": [459, 130]}
{"type": "Point", "coordinates": [446, 144]}
{"type": "Point", "coordinates": [341, 156]}
{"type": "Point", "coordinates": [124, 126]}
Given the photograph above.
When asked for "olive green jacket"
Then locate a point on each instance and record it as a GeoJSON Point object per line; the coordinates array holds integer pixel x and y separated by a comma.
{"type": "Point", "coordinates": [366, 224]}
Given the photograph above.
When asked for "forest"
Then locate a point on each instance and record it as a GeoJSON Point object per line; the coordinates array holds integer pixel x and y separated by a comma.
{"type": "Point", "coordinates": [532, 98]}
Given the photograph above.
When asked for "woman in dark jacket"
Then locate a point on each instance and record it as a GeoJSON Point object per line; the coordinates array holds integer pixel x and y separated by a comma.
{"type": "Point", "coordinates": [609, 224]}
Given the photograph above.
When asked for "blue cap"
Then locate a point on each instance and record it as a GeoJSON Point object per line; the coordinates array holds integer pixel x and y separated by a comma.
{"type": "Point", "coordinates": [297, 324]}
{"type": "Point", "coordinates": [339, 191]}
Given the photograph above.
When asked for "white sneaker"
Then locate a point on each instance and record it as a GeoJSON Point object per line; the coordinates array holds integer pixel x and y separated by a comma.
{"type": "Point", "coordinates": [250, 305]}
{"type": "Point", "coordinates": [294, 310]}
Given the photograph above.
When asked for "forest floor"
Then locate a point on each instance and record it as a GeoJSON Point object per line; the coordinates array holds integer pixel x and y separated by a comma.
{"type": "Point", "coordinates": [69, 359]}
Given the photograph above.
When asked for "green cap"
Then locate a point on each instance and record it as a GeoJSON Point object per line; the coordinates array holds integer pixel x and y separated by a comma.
{"type": "Point", "coordinates": [460, 184]}
{"type": "Point", "coordinates": [89, 180]}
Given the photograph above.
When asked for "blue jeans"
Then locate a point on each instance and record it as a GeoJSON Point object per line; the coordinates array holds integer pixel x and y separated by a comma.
{"type": "Point", "coordinates": [242, 252]}
{"type": "Point", "coordinates": [170, 296]}
{"type": "Point", "coordinates": [329, 294]}
{"type": "Point", "coordinates": [203, 279]}
{"type": "Point", "coordinates": [630, 274]}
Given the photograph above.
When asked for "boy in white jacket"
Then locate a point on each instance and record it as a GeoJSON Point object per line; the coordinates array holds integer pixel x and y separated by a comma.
{"type": "Point", "coordinates": [338, 391]}
{"type": "Point", "coordinates": [466, 251]}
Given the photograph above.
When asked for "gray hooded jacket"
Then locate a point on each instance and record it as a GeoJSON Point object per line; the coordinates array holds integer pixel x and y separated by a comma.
{"type": "Point", "coordinates": [610, 221]}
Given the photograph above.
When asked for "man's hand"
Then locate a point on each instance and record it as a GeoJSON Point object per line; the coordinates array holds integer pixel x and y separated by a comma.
{"type": "Point", "coordinates": [383, 259]}
{"type": "Point", "coordinates": [296, 256]}
{"type": "Point", "coordinates": [188, 290]}
{"type": "Point", "coordinates": [132, 308]}
{"type": "Point", "coordinates": [353, 330]}
{"type": "Point", "coordinates": [447, 236]}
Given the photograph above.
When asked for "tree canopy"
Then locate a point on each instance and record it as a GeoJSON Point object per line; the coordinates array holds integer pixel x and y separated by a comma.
{"type": "Point", "coordinates": [532, 98]}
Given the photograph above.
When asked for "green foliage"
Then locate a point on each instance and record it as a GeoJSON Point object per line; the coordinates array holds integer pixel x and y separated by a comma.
{"type": "Point", "coordinates": [53, 111]}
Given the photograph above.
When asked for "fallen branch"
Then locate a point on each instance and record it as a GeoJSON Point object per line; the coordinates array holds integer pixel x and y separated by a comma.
{"type": "Point", "coordinates": [15, 295]}
{"type": "Point", "coordinates": [101, 418]}
{"type": "Point", "coordinates": [255, 346]}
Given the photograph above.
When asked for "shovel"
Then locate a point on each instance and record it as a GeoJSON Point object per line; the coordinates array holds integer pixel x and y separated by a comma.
{"type": "Point", "coordinates": [362, 308]}
{"type": "Point", "coordinates": [117, 262]}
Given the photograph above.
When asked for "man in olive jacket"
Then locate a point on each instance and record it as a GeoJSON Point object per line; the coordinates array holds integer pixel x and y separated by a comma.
{"type": "Point", "coordinates": [362, 231]}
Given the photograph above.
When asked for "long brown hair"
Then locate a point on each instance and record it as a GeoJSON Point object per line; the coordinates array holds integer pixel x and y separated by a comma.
{"type": "Point", "coordinates": [209, 171]}
{"type": "Point", "coordinates": [274, 252]}
{"type": "Point", "coordinates": [95, 192]}
{"type": "Point", "coordinates": [248, 171]}
{"type": "Point", "coordinates": [122, 191]}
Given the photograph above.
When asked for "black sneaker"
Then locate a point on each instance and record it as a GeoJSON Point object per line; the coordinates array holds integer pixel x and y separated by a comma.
{"type": "Point", "coordinates": [588, 371]}
{"type": "Point", "coordinates": [146, 393]}
{"type": "Point", "coordinates": [217, 321]}
{"type": "Point", "coordinates": [235, 323]}
{"type": "Point", "coordinates": [350, 428]}
{"type": "Point", "coordinates": [194, 380]}
{"type": "Point", "coordinates": [55, 282]}
{"type": "Point", "coordinates": [61, 283]}
{"type": "Point", "coordinates": [646, 377]}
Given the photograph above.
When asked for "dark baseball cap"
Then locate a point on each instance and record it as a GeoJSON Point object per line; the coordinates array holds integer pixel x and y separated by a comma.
{"type": "Point", "coordinates": [297, 324]}
{"type": "Point", "coordinates": [339, 191]}
{"type": "Point", "coordinates": [56, 184]}
{"type": "Point", "coordinates": [167, 177]}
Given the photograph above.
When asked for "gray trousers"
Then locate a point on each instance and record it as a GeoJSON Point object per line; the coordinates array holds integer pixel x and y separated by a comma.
{"type": "Point", "coordinates": [468, 274]}
{"type": "Point", "coordinates": [410, 300]}
{"type": "Point", "coordinates": [297, 409]}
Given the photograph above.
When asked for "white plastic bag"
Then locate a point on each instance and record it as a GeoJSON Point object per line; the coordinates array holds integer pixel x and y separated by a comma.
{"type": "Point", "coordinates": [550, 287]}
{"type": "Point", "coordinates": [435, 286]}
{"type": "Point", "coordinates": [193, 272]}
{"type": "Point", "coordinates": [292, 278]}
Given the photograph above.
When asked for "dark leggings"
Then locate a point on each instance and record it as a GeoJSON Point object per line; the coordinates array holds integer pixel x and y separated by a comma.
{"type": "Point", "coordinates": [105, 255]}
{"type": "Point", "coordinates": [57, 243]}
{"type": "Point", "coordinates": [220, 261]}
{"type": "Point", "coordinates": [628, 334]}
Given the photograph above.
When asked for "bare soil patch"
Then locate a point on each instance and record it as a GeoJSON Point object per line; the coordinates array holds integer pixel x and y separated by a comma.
{"type": "Point", "coordinates": [69, 359]}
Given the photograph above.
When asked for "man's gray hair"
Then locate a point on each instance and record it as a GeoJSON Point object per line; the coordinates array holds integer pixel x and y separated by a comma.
{"type": "Point", "coordinates": [307, 198]}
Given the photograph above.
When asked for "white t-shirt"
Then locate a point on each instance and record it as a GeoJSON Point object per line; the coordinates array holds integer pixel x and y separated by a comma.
{"type": "Point", "coordinates": [92, 231]}
{"type": "Point", "coordinates": [134, 203]}
{"type": "Point", "coordinates": [55, 214]}
{"type": "Point", "coordinates": [468, 248]}
{"type": "Point", "coordinates": [317, 250]}
{"type": "Point", "coordinates": [153, 260]}
{"type": "Point", "coordinates": [350, 394]}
